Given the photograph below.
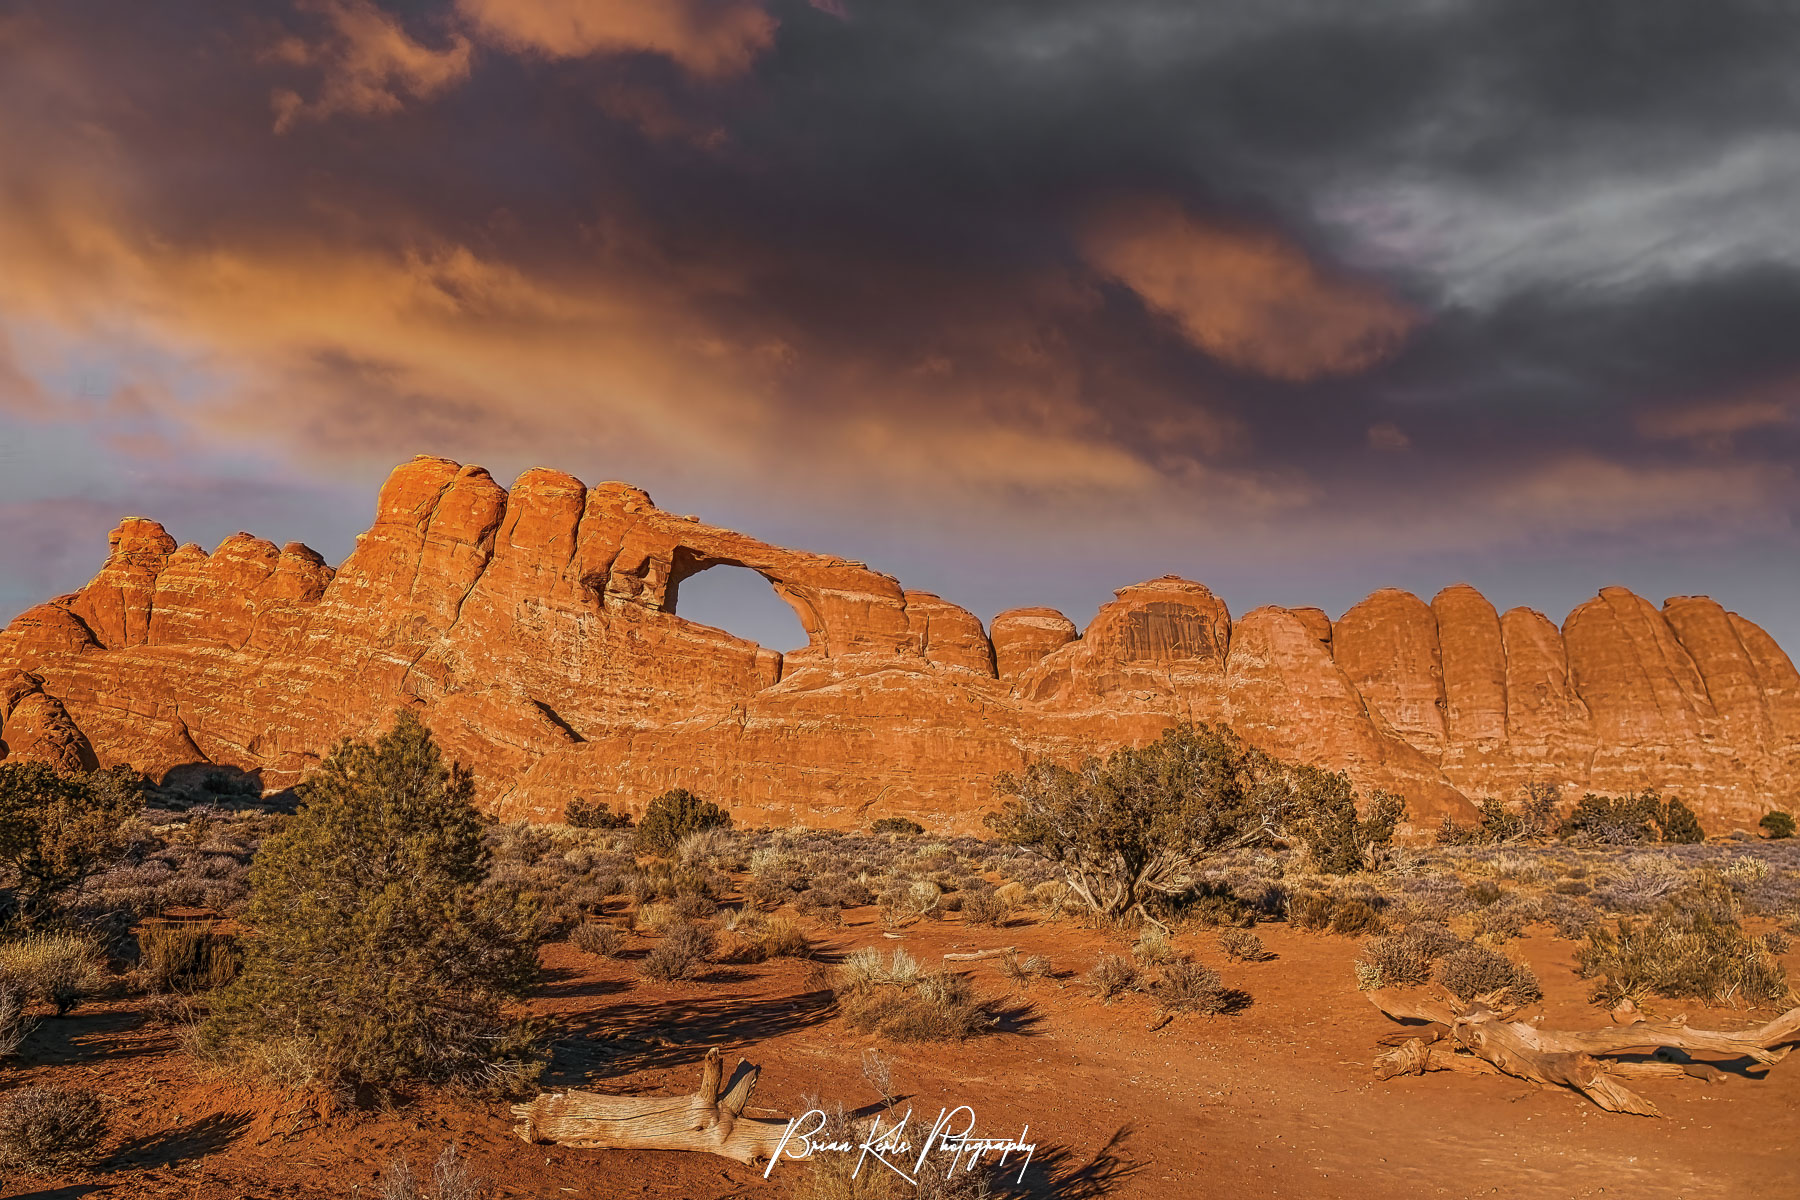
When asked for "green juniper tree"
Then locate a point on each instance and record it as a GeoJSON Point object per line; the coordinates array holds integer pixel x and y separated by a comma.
{"type": "Point", "coordinates": [672, 816]}
{"type": "Point", "coordinates": [377, 954]}
{"type": "Point", "coordinates": [1141, 825]}
{"type": "Point", "coordinates": [56, 829]}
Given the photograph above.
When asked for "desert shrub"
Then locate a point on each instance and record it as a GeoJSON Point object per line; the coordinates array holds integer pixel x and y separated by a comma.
{"type": "Point", "coordinates": [1642, 882]}
{"type": "Point", "coordinates": [16, 1021]}
{"type": "Point", "coordinates": [674, 815]}
{"type": "Point", "coordinates": [1053, 898]}
{"type": "Point", "coordinates": [1113, 975]}
{"type": "Point", "coordinates": [768, 894]}
{"type": "Point", "coordinates": [594, 814]}
{"type": "Point", "coordinates": [174, 957]}
{"type": "Point", "coordinates": [1013, 893]}
{"type": "Point", "coordinates": [50, 1129]}
{"type": "Point", "coordinates": [58, 969]}
{"type": "Point", "coordinates": [1570, 918]}
{"type": "Point", "coordinates": [897, 825]}
{"type": "Point", "coordinates": [1502, 922]}
{"type": "Point", "coordinates": [1638, 817]}
{"type": "Point", "coordinates": [985, 907]}
{"type": "Point", "coordinates": [1484, 891]}
{"type": "Point", "coordinates": [598, 938]}
{"type": "Point", "coordinates": [1240, 945]}
{"type": "Point", "coordinates": [1351, 918]}
{"type": "Point", "coordinates": [1470, 971]}
{"type": "Point", "coordinates": [1497, 823]}
{"type": "Point", "coordinates": [1570, 887]}
{"type": "Point", "coordinates": [1211, 907]}
{"type": "Point", "coordinates": [1394, 961]}
{"type": "Point", "coordinates": [901, 1002]}
{"type": "Point", "coordinates": [692, 907]}
{"type": "Point", "coordinates": [903, 904]}
{"type": "Point", "coordinates": [1310, 910]}
{"type": "Point", "coordinates": [1687, 950]}
{"type": "Point", "coordinates": [1433, 937]}
{"type": "Point", "coordinates": [1024, 970]}
{"type": "Point", "coordinates": [683, 950]}
{"type": "Point", "coordinates": [851, 893]}
{"type": "Point", "coordinates": [755, 937]}
{"type": "Point", "coordinates": [450, 1180]}
{"type": "Point", "coordinates": [1187, 986]}
{"type": "Point", "coordinates": [707, 850]}
{"type": "Point", "coordinates": [1153, 946]}
{"type": "Point", "coordinates": [1777, 825]}
{"type": "Point", "coordinates": [57, 829]}
{"type": "Point", "coordinates": [377, 949]}
{"type": "Point", "coordinates": [1610, 819]}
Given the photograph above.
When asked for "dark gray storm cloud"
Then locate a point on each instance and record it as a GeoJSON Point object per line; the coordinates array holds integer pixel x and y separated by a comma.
{"type": "Point", "coordinates": [1407, 282]}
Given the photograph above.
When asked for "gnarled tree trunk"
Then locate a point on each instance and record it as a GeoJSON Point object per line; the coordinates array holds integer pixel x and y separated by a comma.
{"type": "Point", "coordinates": [1474, 1038]}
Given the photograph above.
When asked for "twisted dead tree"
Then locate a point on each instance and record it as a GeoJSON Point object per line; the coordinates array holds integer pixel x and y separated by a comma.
{"type": "Point", "coordinates": [711, 1121]}
{"type": "Point", "coordinates": [1478, 1038]}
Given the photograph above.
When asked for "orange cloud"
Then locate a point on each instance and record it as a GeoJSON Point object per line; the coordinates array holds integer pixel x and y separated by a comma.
{"type": "Point", "coordinates": [713, 40]}
{"type": "Point", "coordinates": [18, 391]}
{"type": "Point", "coordinates": [371, 65]}
{"type": "Point", "coordinates": [1249, 298]}
{"type": "Point", "coordinates": [1714, 422]}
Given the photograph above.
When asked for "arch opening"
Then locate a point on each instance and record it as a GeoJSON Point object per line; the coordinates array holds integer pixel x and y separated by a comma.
{"type": "Point", "coordinates": [739, 600]}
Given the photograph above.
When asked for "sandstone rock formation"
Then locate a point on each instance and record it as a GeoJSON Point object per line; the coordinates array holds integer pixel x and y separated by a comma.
{"type": "Point", "coordinates": [537, 631]}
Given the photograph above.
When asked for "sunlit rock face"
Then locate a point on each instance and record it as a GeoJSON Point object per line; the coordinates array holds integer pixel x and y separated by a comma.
{"type": "Point", "coordinates": [537, 631]}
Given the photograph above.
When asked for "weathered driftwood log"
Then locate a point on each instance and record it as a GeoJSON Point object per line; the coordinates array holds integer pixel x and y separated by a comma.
{"type": "Point", "coordinates": [707, 1121]}
{"type": "Point", "coordinates": [972, 955]}
{"type": "Point", "coordinates": [1475, 1038]}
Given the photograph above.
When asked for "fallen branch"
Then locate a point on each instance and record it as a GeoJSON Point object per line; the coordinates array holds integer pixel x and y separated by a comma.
{"type": "Point", "coordinates": [705, 1121]}
{"type": "Point", "coordinates": [972, 955]}
{"type": "Point", "coordinates": [1474, 1038]}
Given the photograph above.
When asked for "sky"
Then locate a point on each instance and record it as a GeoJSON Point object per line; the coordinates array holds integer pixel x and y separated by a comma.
{"type": "Point", "coordinates": [1021, 301]}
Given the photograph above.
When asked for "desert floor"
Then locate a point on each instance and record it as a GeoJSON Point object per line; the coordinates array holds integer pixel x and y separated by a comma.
{"type": "Point", "coordinates": [1275, 1100]}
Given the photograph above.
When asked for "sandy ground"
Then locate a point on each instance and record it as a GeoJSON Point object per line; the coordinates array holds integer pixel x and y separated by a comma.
{"type": "Point", "coordinates": [1276, 1100]}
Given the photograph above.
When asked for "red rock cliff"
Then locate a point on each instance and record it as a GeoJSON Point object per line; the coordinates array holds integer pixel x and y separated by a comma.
{"type": "Point", "coordinates": [536, 631]}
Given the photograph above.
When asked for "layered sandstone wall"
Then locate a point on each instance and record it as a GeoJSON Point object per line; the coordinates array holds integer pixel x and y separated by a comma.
{"type": "Point", "coordinates": [536, 631]}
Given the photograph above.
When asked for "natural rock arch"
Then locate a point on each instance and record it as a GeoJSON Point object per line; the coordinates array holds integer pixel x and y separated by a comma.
{"type": "Point", "coordinates": [688, 563]}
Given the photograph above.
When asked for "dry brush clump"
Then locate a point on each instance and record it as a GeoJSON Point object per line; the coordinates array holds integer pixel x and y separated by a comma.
{"type": "Point", "coordinates": [1024, 969]}
{"type": "Point", "coordinates": [1428, 951]}
{"type": "Point", "coordinates": [1471, 971]}
{"type": "Point", "coordinates": [1240, 945]}
{"type": "Point", "coordinates": [1693, 947]}
{"type": "Point", "coordinates": [753, 937]}
{"type": "Point", "coordinates": [1184, 985]}
{"type": "Point", "coordinates": [450, 1179]}
{"type": "Point", "coordinates": [49, 1129]}
{"type": "Point", "coordinates": [897, 999]}
{"type": "Point", "coordinates": [185, 957]}
{"type": "Point", "coordinates": [599, 938]}
{"type": "Point", "coordinates": [55, 969]}
{"type": "Point", "coordinates": [682, 952]}
{"type": "Point", "coordinates": [1112, 975]}
{"type": "Point", "coordinates": [16, 1018]}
